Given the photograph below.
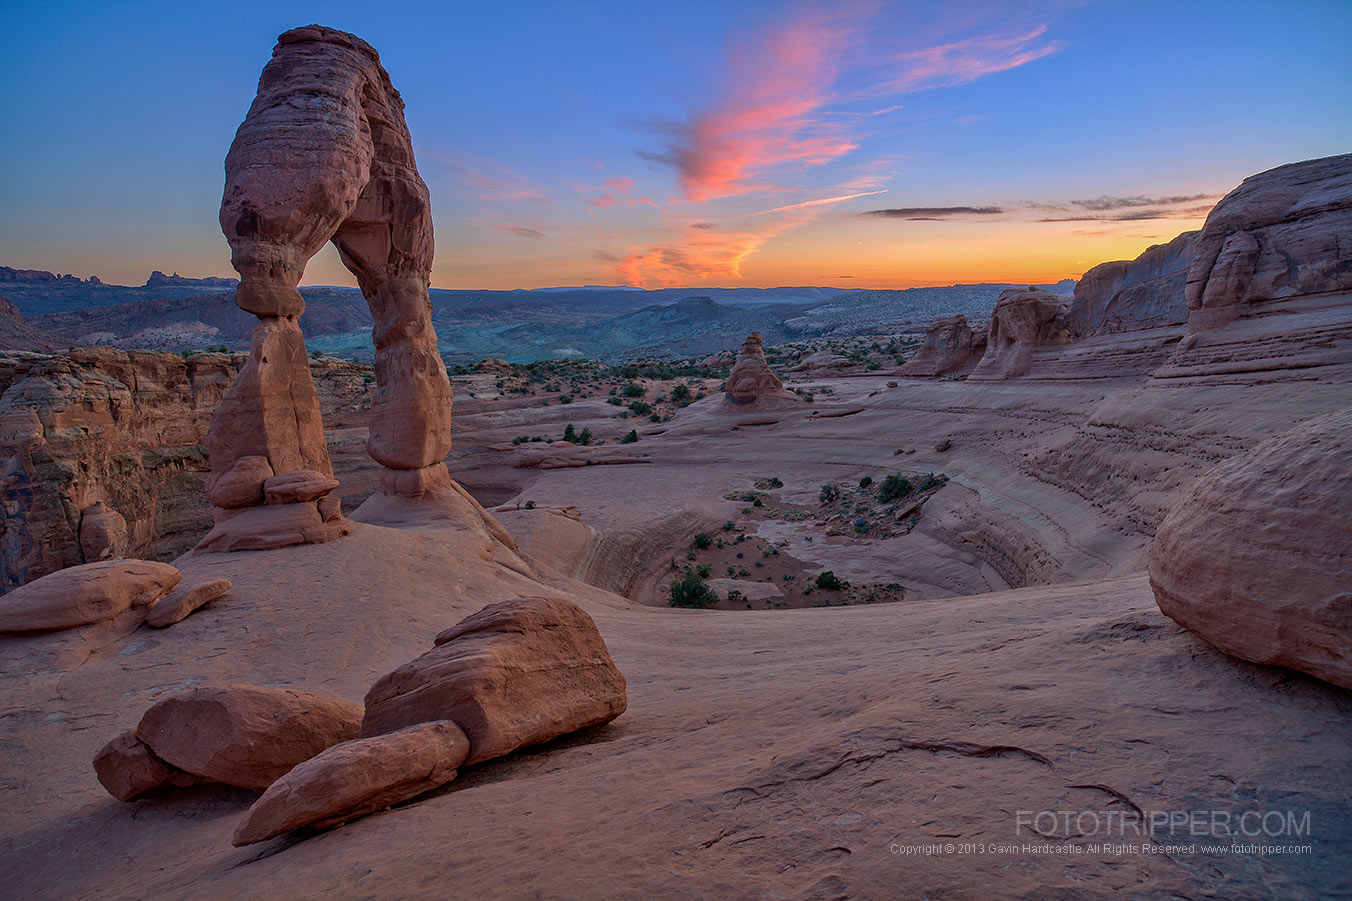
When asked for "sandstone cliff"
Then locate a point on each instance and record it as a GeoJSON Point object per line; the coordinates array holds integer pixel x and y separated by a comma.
{"type": "Point", "coordinates": [1127, 295]}
{"type": "Point", "coordinates": [951, 347]}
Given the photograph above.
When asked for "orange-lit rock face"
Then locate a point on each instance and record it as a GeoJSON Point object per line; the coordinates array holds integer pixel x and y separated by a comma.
{"type": "Point", "coordinates": [325, 155]}
{"type": "Point", "coordinates": [752, 379]}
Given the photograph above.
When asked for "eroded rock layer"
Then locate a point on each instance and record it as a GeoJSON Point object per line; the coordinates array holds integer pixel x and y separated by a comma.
{"type": "Point", "coordinates": [951, 347]}
{"type": "Point", "coordinates": [752, 380]}
{"type": "Point", "coordinates": [325, 155]}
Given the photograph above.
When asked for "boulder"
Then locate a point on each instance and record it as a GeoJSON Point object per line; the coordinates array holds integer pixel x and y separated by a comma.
{"type": "Point", "coordinates": [752, 380]}
{"type": "Point", "coordinates": [1255, 558]}
{"type": "Point", "coordinates": [245, 735]}
{"type": "Point", "coordinates": [177, 606]}
{"type": "Point", "coordinates": [80, 595]}
{"type": "Point", "coordinates": [1281, 233]}
{"type": "Point", "coordinates": [1024, 321]}
{"type": "Point", "coordinates": [951, 347]}
{"type": "Point", "coordinates": [355, 778]}
{"type": "Point", "coordinates": [242, 484]}
{"type": "Point", "coordinates": [129, 769]}
{"type": "Point", "coordinates": [297, 487]}
{"type": "Point", "coordinates": [514, 674]}
{"type": "Point", "coordinates": [103, 533]}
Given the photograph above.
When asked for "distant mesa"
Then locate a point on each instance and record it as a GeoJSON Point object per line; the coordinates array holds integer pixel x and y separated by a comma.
{"type": "Point", "coordinates": [41, 275]}
{"type": "Point", "coordinates": [159, 280]}
{"type": "Point", "coordinates": [752, 383]}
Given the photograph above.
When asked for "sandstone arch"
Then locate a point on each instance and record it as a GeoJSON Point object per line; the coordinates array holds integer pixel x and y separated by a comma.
{"type": "Point", "coordinates": [324, 155]}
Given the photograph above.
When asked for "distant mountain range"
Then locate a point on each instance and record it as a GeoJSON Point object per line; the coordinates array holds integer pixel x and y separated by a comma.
{"type": "Point", "coordinates": [611, 323]}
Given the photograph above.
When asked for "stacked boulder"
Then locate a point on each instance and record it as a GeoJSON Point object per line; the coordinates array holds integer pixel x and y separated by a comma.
{"type": "Point", "coordinates": [515, 674]}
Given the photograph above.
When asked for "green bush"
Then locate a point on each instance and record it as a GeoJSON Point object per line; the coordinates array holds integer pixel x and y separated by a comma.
{"type": "Point", "coordinates": [827, 581]}
{"type": "Point", "coordinates": [639, 408]}
{"type": "Point", "coordinates": [704, 569]}
{"type": "Point", "coordinates": [703, 540]}
{"type": "Point", "coordinates": [829, 494]}
{"type": "Point", "coordinates": [893, 487]}
{"type": "Point", "coordinates": [767, 483]}
{"type": "Point", "coordinates": [634, 389]}
{"type": "Point", "coordinates": [691, 591]}
{"type": "Point", "coordinates": [630, 438]}
{"type": "Point", "coordinates": [570, 433]}
{"type": "Point", "coordinates": [681, 394]}
{"type": "Point", "coordinates": [866, 481]}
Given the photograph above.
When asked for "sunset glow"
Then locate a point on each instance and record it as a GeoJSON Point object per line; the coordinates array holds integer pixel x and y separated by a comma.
{"type": "Point", "coordinates": [853, 144]}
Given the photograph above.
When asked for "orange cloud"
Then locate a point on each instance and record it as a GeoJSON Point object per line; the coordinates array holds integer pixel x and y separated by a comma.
{"type": "Point", "coordinates": [770, 120]}
{"type": "Point", "coordinates": [701, 257]}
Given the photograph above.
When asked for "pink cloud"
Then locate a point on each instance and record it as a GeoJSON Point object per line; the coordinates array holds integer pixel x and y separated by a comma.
{"type": "Point", "coordinates": [947, 65]}
{"type": "Point", "coordinates": [615, 192]}
{"type": "Point", "coordinates": [491, 180]}
{"type": "Point", "coordinates": [700, 257]}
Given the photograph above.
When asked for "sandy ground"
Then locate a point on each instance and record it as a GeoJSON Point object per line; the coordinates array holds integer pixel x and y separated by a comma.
{"type": "Point", "coordinates": [883, 750]}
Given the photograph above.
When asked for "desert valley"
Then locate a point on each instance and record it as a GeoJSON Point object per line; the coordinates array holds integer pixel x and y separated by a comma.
{"type": "Point", "coordinates": [991, 590]}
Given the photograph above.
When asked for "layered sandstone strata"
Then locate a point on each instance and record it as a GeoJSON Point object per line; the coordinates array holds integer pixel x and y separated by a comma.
{"type": "Point", "coordinates": [1024, 322]}
{"type": "Point", "coordinates": [752, 381]}
{"type": "Point", "coordinates": [951, 347]}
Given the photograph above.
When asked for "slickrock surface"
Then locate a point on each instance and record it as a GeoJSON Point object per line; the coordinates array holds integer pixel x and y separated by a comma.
{"type": "Point", "coordinates": [752, 382]}
{"type": "Point", "coordinates": [1256, 559]}
{"type": "Point", "coordinates": [1023, 322]}
{"type": "Point", "coordinates": [85, 594]}
{"type": "Point", "coordinates": [951, 347]}
{"type": "Point", "coordinates": [514, 674]}
{"type": "Point", "coordinates": [324, 154]}
{"type": "Point", "coordinates": [357, 777]}
{"type": "Point", "coordinates": [1281, 233]}
{"type": "Point", "coordinates": [245, 735]}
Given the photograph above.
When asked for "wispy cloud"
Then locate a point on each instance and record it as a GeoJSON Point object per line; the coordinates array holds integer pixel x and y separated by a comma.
{"type": "Point", "coordinates": [1108, 202]}
{"type": "Point", "coordinates": [961, 62]}
{"type": "Point", "coordinates": [782, 110]}
{"type": "Point", "coordinates": [917, 213]}
{"type": "Point", "coordinates": [806, 204]}
{"type": "Point", "coordinates": [522, 231]}
{"type": "Point", "coordinates": [490, 180]}
{"type": "Point", "coordinates": [616, 191]}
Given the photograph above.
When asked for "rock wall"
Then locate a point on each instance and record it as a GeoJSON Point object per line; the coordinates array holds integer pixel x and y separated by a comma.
{"type": "Point", "coordinates": [1146, 292]}
{"type": "Point", "coordinates": [125, 430]}
{"type": "Point", "coordinates": [1281, 233]}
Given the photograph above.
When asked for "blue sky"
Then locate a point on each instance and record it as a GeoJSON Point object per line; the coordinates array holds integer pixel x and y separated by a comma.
{"type": "Point", "coordinates": [690, 143]}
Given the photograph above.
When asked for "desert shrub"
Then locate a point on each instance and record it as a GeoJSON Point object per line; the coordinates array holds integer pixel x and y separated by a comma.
{"type": "Point", "coordinates": [703, 540]}
{"type": "Point", "coordinates": [630, 438]}
{"type": "Point", "coordinates": [735, 595]}
{"type": "Point", "coordinates": [691, 591]}
{"type": "Point", "coordinates": [829, 494]}
{"type": "Point", "coordinates": [928, 481]}
{"type": "Point", "coordinates": [704, 569]}
{"type": "Point", "coordinates": [570, 433]}
{"type": "Point", "coordinates": [520, 439]}
{"type": "Point", "coordinates": [827, 581]}
{"type": "Point", "coordinates": [565, 398]}
{"type": "Point", "coordinates": [861, 525]}
{"type": "Point", "coordinates": [729, 526]}
{"type": "Point", "coordinates": [866, 481]}
{"type": "Point", "coordinates": [893, 487]}
{"type": "Point", "coordinates": [639, 408]}
{"type": "Point", "coordinates": [767, 483]}
{"type": "Point", "coordinates": [681, 394]}
{"type": "Point", "coordinates": [634, 389]}
{"type": "Point", "coordinates": [530, 505]}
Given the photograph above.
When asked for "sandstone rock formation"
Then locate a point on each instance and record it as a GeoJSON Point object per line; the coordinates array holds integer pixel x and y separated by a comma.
{"type": "Point", "coordinates": [951, 347]}
{"type": "Point", "coordinates": [355, 778]}
{"type": "Point", "coordinates": [1280, 233]}
{"type": "Point", "coordinates": [129, 769]}
{"type": "Point", "coordinates": [752, 381]}
{"type": "Point", "coordinates": [85, 594]}
{"type": "Point", "coordinates": [1023, 322]}
{"type": "Point", "coordinates": [1127, 295]}
{"type": "Point", "coordinates": [324, 155]}
{"type": "Point", "coordinates": [1255, 558]}
{"type": "Point", "coordinates": [514, 674]}
{"type": "Point", "coordinates": [15, 333]}
{"type": "Point", "coordinates": [242, 735]}
{"type": "Point", "coordinates": [103, 533]}
{"type": "Point", "coordinates": [176, 607]}
{"type": "Point", "coordinates": [125, 429]}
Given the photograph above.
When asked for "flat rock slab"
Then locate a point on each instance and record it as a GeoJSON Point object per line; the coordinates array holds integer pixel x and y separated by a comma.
{"type": "Point", "coordinates": [245, 735]}
{"type": "Point", "coordinates": [355, 778]}
{"type": "Point", "coordinates": [80, 595]}
{"type": "Point", "coordinates": [514, 674]}
{"type": "Point", "coordinates": [176, 607]}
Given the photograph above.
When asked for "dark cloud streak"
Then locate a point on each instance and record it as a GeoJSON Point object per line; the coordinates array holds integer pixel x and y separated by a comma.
{"type": "Point", "coordinates": [929, 213]}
